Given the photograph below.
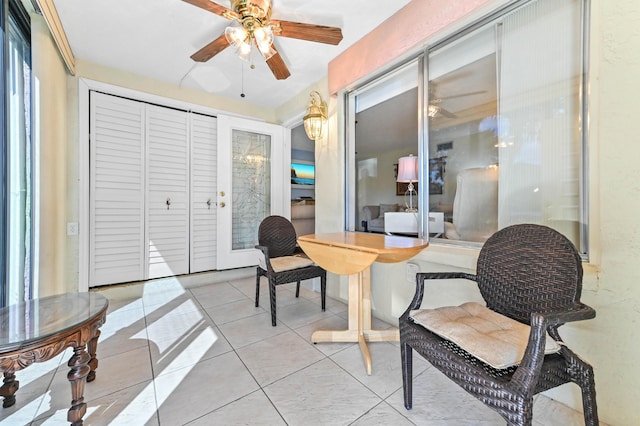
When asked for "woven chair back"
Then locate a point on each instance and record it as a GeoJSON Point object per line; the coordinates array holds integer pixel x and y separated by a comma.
{"type": "Point", "coordinates": [278, 234]}
{"type": "Point", "coordinates": [529, 268]}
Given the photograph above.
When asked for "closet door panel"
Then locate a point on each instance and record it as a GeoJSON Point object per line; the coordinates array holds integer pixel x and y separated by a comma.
{"type": "Point", "coordinates": [167, 192]}
{"type": "Point", "coordinates": [116, 190]}
{"type": "Point", "coordinates": [203, 193]}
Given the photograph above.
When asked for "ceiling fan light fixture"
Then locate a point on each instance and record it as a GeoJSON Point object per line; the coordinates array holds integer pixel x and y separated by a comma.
{"type": "Point", "coordinates": [235, 34]}
{"type": "Point", "coordinates": [240, 39]}
{"type": "Point", "coordinates": [316, 117]}
{"type": "Point", "coordinates": [433, 111]}
{"type": "Point", "coordinates": [266, 49]}
{"type": "Point", "coordinates": [263, 35]}
{"type": "Point", "coordinates": [243, 50]}
{"type": "Point", "coordinates": [264, 41]}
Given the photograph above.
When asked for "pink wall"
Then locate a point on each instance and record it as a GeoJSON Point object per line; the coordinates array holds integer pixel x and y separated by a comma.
{"type": "Point", "coordinates": [412, 25]}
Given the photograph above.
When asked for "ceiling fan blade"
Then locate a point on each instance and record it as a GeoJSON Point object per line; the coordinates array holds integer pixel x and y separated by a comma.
{"type": "Point", "coordinates": [310, 32]}
{"type": "Point", "coordinates": [460, 95]}
{"type": "Point", "coordinates": [446, 113]}
{"type": "Point", "coordinates": [278, 67]}
{"type": "Point", "coordinates": [214, 8]}
{"type": "Point", "coordinates": [211, 49]}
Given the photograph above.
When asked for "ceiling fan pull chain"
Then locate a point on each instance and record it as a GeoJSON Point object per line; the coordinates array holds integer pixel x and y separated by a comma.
{"type": "Point", "coordinates": [241, 79]}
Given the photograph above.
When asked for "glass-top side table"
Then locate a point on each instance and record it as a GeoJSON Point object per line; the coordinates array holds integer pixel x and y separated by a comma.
{"type": "Point", "coordinates": [39, 329]}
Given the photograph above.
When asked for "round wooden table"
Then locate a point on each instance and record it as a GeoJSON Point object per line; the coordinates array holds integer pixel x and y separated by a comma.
{"type": "Point", "coordinates": [39, 329]}
{"type": "Point", "coordinates": [352, 253]}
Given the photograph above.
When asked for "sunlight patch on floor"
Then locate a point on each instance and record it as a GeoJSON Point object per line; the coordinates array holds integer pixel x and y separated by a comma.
{"type": "Point", "coordinates": [174, 327]}
{"type": "Point", "coordinates": [196, 350]}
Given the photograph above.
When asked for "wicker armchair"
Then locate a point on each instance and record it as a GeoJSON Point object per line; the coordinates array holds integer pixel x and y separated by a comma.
{"type": "Point", "coordinates": [529, 273]}
{"type": "Point", "coordinates": [284, 262]}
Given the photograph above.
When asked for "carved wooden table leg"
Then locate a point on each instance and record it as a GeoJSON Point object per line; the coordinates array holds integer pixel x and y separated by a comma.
{"type": "Point", "coordinates": [79, 364]}
{"type": "Point", "coordinates": [92, 347]}
{"type": "Point", "coordinates": [43, 328]}
{"type": "Point", "coordinates": [8, 389]}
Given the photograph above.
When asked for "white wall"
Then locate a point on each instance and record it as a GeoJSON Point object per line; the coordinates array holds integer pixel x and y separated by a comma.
{"type": "Point", "coordinates": [612, 341]}
{"type": "Point", "coordinates": [55, 261]}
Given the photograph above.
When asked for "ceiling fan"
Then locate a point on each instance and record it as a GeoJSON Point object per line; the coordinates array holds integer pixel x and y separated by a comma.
{"type": "Point", "coordinates": [436, 111]}
{"type": "Point", "coordinates": [252, 24]}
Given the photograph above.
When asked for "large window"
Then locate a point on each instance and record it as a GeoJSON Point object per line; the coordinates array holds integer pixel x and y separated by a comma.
{"type": "Point", "coordinates": [500, 137]}
{"type": "Point", "coordinates": [16, 154]}
{"type": "Point", "coordinates": [386, 129]}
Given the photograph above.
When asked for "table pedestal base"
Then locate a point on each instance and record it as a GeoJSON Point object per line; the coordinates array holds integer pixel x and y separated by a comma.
{"type": "Point", "coordinates": [359, 320]}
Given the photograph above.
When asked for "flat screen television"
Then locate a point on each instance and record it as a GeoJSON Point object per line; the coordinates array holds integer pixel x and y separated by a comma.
{"type": "Point", "coordinates": [303, 174]}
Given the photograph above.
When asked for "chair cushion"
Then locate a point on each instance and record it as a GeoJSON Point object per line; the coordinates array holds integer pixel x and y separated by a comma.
{"type": "Point", "coordinates": [287, 263]}
{"type": "Point", "coordinates": [487, 335]}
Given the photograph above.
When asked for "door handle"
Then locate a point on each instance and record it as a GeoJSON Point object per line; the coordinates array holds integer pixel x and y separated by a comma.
{"type": "Point", "coordinates": [222, 204]}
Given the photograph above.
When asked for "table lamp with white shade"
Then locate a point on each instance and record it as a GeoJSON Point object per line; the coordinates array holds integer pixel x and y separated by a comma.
{"type": "Point", "coordinates": [408, 172]}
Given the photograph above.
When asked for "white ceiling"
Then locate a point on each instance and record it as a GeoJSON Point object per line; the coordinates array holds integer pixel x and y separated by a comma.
{"type": "Point", "coordinates": [155, 39]}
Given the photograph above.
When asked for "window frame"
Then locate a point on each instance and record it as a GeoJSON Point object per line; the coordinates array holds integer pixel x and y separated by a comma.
{"type": "Point", "coordinates": [423, 127]}
{"type": "Point", "coordinates": [3, 149]}
{"type": "Point", "coordinates": [13, 14]}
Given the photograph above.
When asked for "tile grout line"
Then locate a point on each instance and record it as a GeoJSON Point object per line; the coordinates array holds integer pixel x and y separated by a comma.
{"type": "Point", "coordinates": [153, 370]}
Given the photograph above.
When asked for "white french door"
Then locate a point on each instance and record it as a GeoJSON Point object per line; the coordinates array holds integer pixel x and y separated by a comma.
{"type": "Point", "coordinates": [173, 192]}
{"type": "Point", "coordinates": [117, 194]}
{"type": "Point", "coordinates": [167, 192]}
{"type": "Point", "coordinates": [253, 173]}
{"type": "Point", "coordinates": [152, 191]}
{"type": "Point", "coordinates": [204, 184]}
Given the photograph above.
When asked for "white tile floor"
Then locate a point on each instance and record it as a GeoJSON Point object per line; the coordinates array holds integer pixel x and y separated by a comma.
{"type": "Point", "coordinates": [206, 356]}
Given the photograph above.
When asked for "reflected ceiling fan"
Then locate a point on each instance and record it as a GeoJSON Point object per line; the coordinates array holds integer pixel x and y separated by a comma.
{"type": "Point", "coordinates": [252, 24]}
{"type": "Point", "coordinates": [436, 111]}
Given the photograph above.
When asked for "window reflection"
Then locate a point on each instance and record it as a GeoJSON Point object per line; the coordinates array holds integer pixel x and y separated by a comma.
{"type": "Point", "coordinates": [386, 129]}
{"type": "Point", "coordinates": [504, 103]}
{"type": "Point", "coordinates": [463, 153]}
{"type": "Point", "coordinates": [503, 109]}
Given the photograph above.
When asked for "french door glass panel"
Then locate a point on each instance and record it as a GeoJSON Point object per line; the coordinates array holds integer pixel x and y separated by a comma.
{"type": "Point", "coordinates": [251, 185]}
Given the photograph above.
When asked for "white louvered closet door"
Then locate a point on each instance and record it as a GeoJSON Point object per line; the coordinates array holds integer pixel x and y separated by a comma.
{"type": "Point", "coordinates": [116, 190]}
{"type": "Point", "coordinates": [167, 192]}
{"type": "Point", "coordinates": [203, 193]}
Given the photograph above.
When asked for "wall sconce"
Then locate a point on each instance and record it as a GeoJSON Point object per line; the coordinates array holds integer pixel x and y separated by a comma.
{"type": "Point", "coordinates": [316, 117]}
